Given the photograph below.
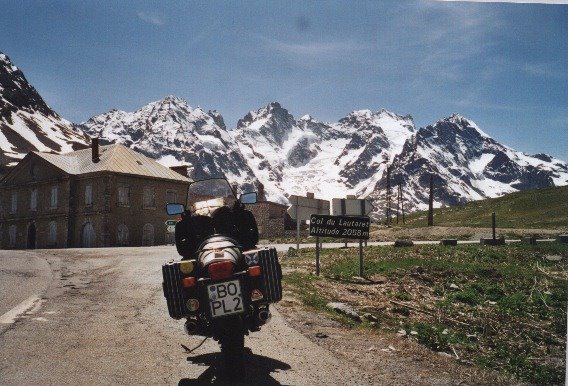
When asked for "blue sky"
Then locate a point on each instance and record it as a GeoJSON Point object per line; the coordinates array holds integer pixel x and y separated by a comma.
{"type": "Point", "coordinates": [502, 65]}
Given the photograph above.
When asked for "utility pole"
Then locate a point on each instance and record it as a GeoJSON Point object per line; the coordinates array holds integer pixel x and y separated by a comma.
{"type": "Point", "coordinates": [401, 202]}
{"type": "Point", "coordinates": [388, 195]}
{"type": "Point", "coordinates": [397, 202]}
{"type": "Point", "coordinates": [431, 202]}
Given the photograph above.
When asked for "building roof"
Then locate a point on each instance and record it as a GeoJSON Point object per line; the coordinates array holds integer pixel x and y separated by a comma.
{"type": "Point", "coordinates": [114, 158]}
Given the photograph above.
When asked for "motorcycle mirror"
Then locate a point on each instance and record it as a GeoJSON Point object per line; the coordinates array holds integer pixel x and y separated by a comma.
{"type": "Point", "coordinates": [174, 208]}
{"type": "Point", "coordinates": [248, 198]}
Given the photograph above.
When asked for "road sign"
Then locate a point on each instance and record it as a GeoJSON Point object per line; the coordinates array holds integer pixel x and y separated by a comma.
{"type": "Point", "coordinates": [340, 227]}
{"type": "Point", "coordinates": [351, 207]}
{"type": "Point", "coordinates": [304, 207]}
{"type": "Point", "coordinates": [171, 228]}
{"type": "Point", "coordinates": [171, 222]}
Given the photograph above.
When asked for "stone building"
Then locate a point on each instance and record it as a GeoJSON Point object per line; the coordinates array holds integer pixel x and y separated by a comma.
{"type": "Point", "coordinates": [270, 218]}
{"type": "Point", "coordinates": [99, 197]}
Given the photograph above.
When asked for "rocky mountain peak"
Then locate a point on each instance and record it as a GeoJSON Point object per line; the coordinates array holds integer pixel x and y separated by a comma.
{"type": "Point", "coordinates": [27, 123]}
{"type": "Point", "coordinates": [463, 124]}
{"type": "Point", "coordinates": [218, 119]}
{"type": "Point", "coordinates": [272, 123]}
{"type": "Point", "coordinates": [16, 93]}
{"type": "Point", "coordinates": [172, 132]}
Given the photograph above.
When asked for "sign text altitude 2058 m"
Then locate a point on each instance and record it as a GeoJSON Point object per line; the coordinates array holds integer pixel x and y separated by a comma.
{"type": "Point", "coordinates": [341, 227]}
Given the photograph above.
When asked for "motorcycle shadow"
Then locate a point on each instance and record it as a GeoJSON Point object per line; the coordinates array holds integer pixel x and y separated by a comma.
{"type": "Point", "coordinates": [257, 367]}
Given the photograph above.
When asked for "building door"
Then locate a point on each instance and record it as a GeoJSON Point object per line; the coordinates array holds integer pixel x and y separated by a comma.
{"type": "Point", "coordinates": [88, 236]}
{"type": "Point", "coordinates": [148, 234]}
{"type": "Point", "coordinates": [31, 236]}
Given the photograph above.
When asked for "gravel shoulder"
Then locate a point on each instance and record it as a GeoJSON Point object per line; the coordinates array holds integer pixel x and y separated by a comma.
{"type": "Point", "coordinates": [380, 358]}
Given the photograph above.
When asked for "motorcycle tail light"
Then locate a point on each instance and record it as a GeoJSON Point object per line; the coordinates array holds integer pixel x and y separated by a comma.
{"type": "Point", "coordinates": [188, 282]}
{"type": "Point", "coordinates": [220, 270]}
{"type": "Point", "coordinates": [254, 271]}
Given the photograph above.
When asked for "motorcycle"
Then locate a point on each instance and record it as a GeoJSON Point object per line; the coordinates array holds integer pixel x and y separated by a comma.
{"type": "Point", "coordinates": [223, 284]}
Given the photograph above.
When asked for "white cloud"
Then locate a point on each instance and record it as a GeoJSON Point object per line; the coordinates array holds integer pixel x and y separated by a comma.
{"type": "Point", "coordinates": [513, 1]}
{"type": "Point", "coordinates": [548, 70]}
{"type": "Point", "coordinates": [307, 51]}
{"type": "Point", "coordinates": [152, 18]}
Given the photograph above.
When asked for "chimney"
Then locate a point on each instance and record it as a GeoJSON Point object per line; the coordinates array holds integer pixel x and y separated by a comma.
{"type": "Point", "coordinates": [261, 196]}
{"type": "Point", "coordinates": [181, 169]}
{"type": "Point", "coordinates": [95, 149]}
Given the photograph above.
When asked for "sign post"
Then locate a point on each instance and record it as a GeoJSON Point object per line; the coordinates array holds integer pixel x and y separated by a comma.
{"type": "Point", "coordinates": [317, 256]}
{"type": "Point", "coordinates": [341, 227]}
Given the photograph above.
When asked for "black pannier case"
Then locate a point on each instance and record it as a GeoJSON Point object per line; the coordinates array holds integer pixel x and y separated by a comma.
{"type": "Point", "coordinates": [271, 274]}
{"type": "Point", "coordinates": [174, 293]}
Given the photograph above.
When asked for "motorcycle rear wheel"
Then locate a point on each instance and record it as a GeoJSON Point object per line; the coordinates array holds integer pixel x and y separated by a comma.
{"type": "Point", "coordinates": [232, 342]}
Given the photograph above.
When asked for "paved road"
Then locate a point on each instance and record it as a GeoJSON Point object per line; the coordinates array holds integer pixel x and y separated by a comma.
{"type": "Point", "coordinates": [24, 276]}
{"type": "Point", "coordinates": [101, 319]}
{"type": "Point", "coordinates": [98, 316]}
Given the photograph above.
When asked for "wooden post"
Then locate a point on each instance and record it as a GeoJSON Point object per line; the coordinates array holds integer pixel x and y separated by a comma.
{"type": "Point", "coordinates": [361, 258]}
{"type": "Point", "coordinates": [361, 242]}
{"type": "Point", "coordinates": [431, 202]}
{"type": "Point", "coordinates": [297, 232]}
{"type": "Point", "coordinates": [401, 203]}
{"type": "Point", "coordinates": [343, 210]}
{"type": "Point", "coordinates": [397, 203]}
{"type": "Point", "coordinates": [317, 256]}
{"type": "Point", "coordinates": [388, 195]}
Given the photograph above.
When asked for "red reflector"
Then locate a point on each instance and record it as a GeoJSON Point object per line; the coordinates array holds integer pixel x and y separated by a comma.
{"type": "Point", "coordinates": [220, 270]}
{"type": "Point", "coordinates": [254, 271]}
{"type": "Point", "coordinates": [188, 282]}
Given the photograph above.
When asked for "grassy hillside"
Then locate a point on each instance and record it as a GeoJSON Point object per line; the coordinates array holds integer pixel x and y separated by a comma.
{"type": "Point", "coordinates": [543, 208]}
{"type": "Point", "coordinates": [502, 308]}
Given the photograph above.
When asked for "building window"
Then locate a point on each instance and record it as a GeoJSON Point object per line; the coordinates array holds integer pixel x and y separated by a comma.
{"type": "Point", "coordinates": [33, 200]}
{"type": "Point", "coordinates": [88, 236]}
{"type": "Point", "coordinates": [34, 171]}
{"type": "Point", "coordinates": [12, 236]}
{"type": "Point", "coordinates": [52, 235]}
{"type": "Point", "coordinates": [149, 200]}
{"type": "Point", "coordinates": [53, 198]}
{"type": "Point", "coordinates": [122, 235]}
{"type": "Point", "coordinates": [14, 206]}
{"type": "Point", "coordinates": [148, 234]}
{"type": "Point", "coordinates": [171, 196]}
{"type": "Point", "coordinates": [124, 195]}
{"type": "Point", "coordinates": [89, 195]}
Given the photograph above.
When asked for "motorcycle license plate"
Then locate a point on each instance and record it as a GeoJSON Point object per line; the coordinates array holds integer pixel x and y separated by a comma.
{"type": "Point", "coordinates": [225, 298]}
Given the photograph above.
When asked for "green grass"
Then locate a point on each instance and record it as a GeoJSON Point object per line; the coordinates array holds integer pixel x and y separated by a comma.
{"type": "Point", "coordinates": [500, 307]}
{"type": "Point", "coordinates": [303, 285]}
{"type": "Point", "coordinates": [542, 208]}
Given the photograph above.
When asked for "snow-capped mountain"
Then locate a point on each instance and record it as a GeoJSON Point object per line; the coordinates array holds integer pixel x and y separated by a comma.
{"type": "Point", "coordinates": [330, 159]}
{"type": "Point", "coordinates": [174, 133]}
{"type": "Point", "coordinates": [288, 155]}
{"type": "Point", "coordinates": [27, 123]}
{"type": "Point", "coordinates": [466, 164]}
{"type": "Point", "coordinates": [295, 156]}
